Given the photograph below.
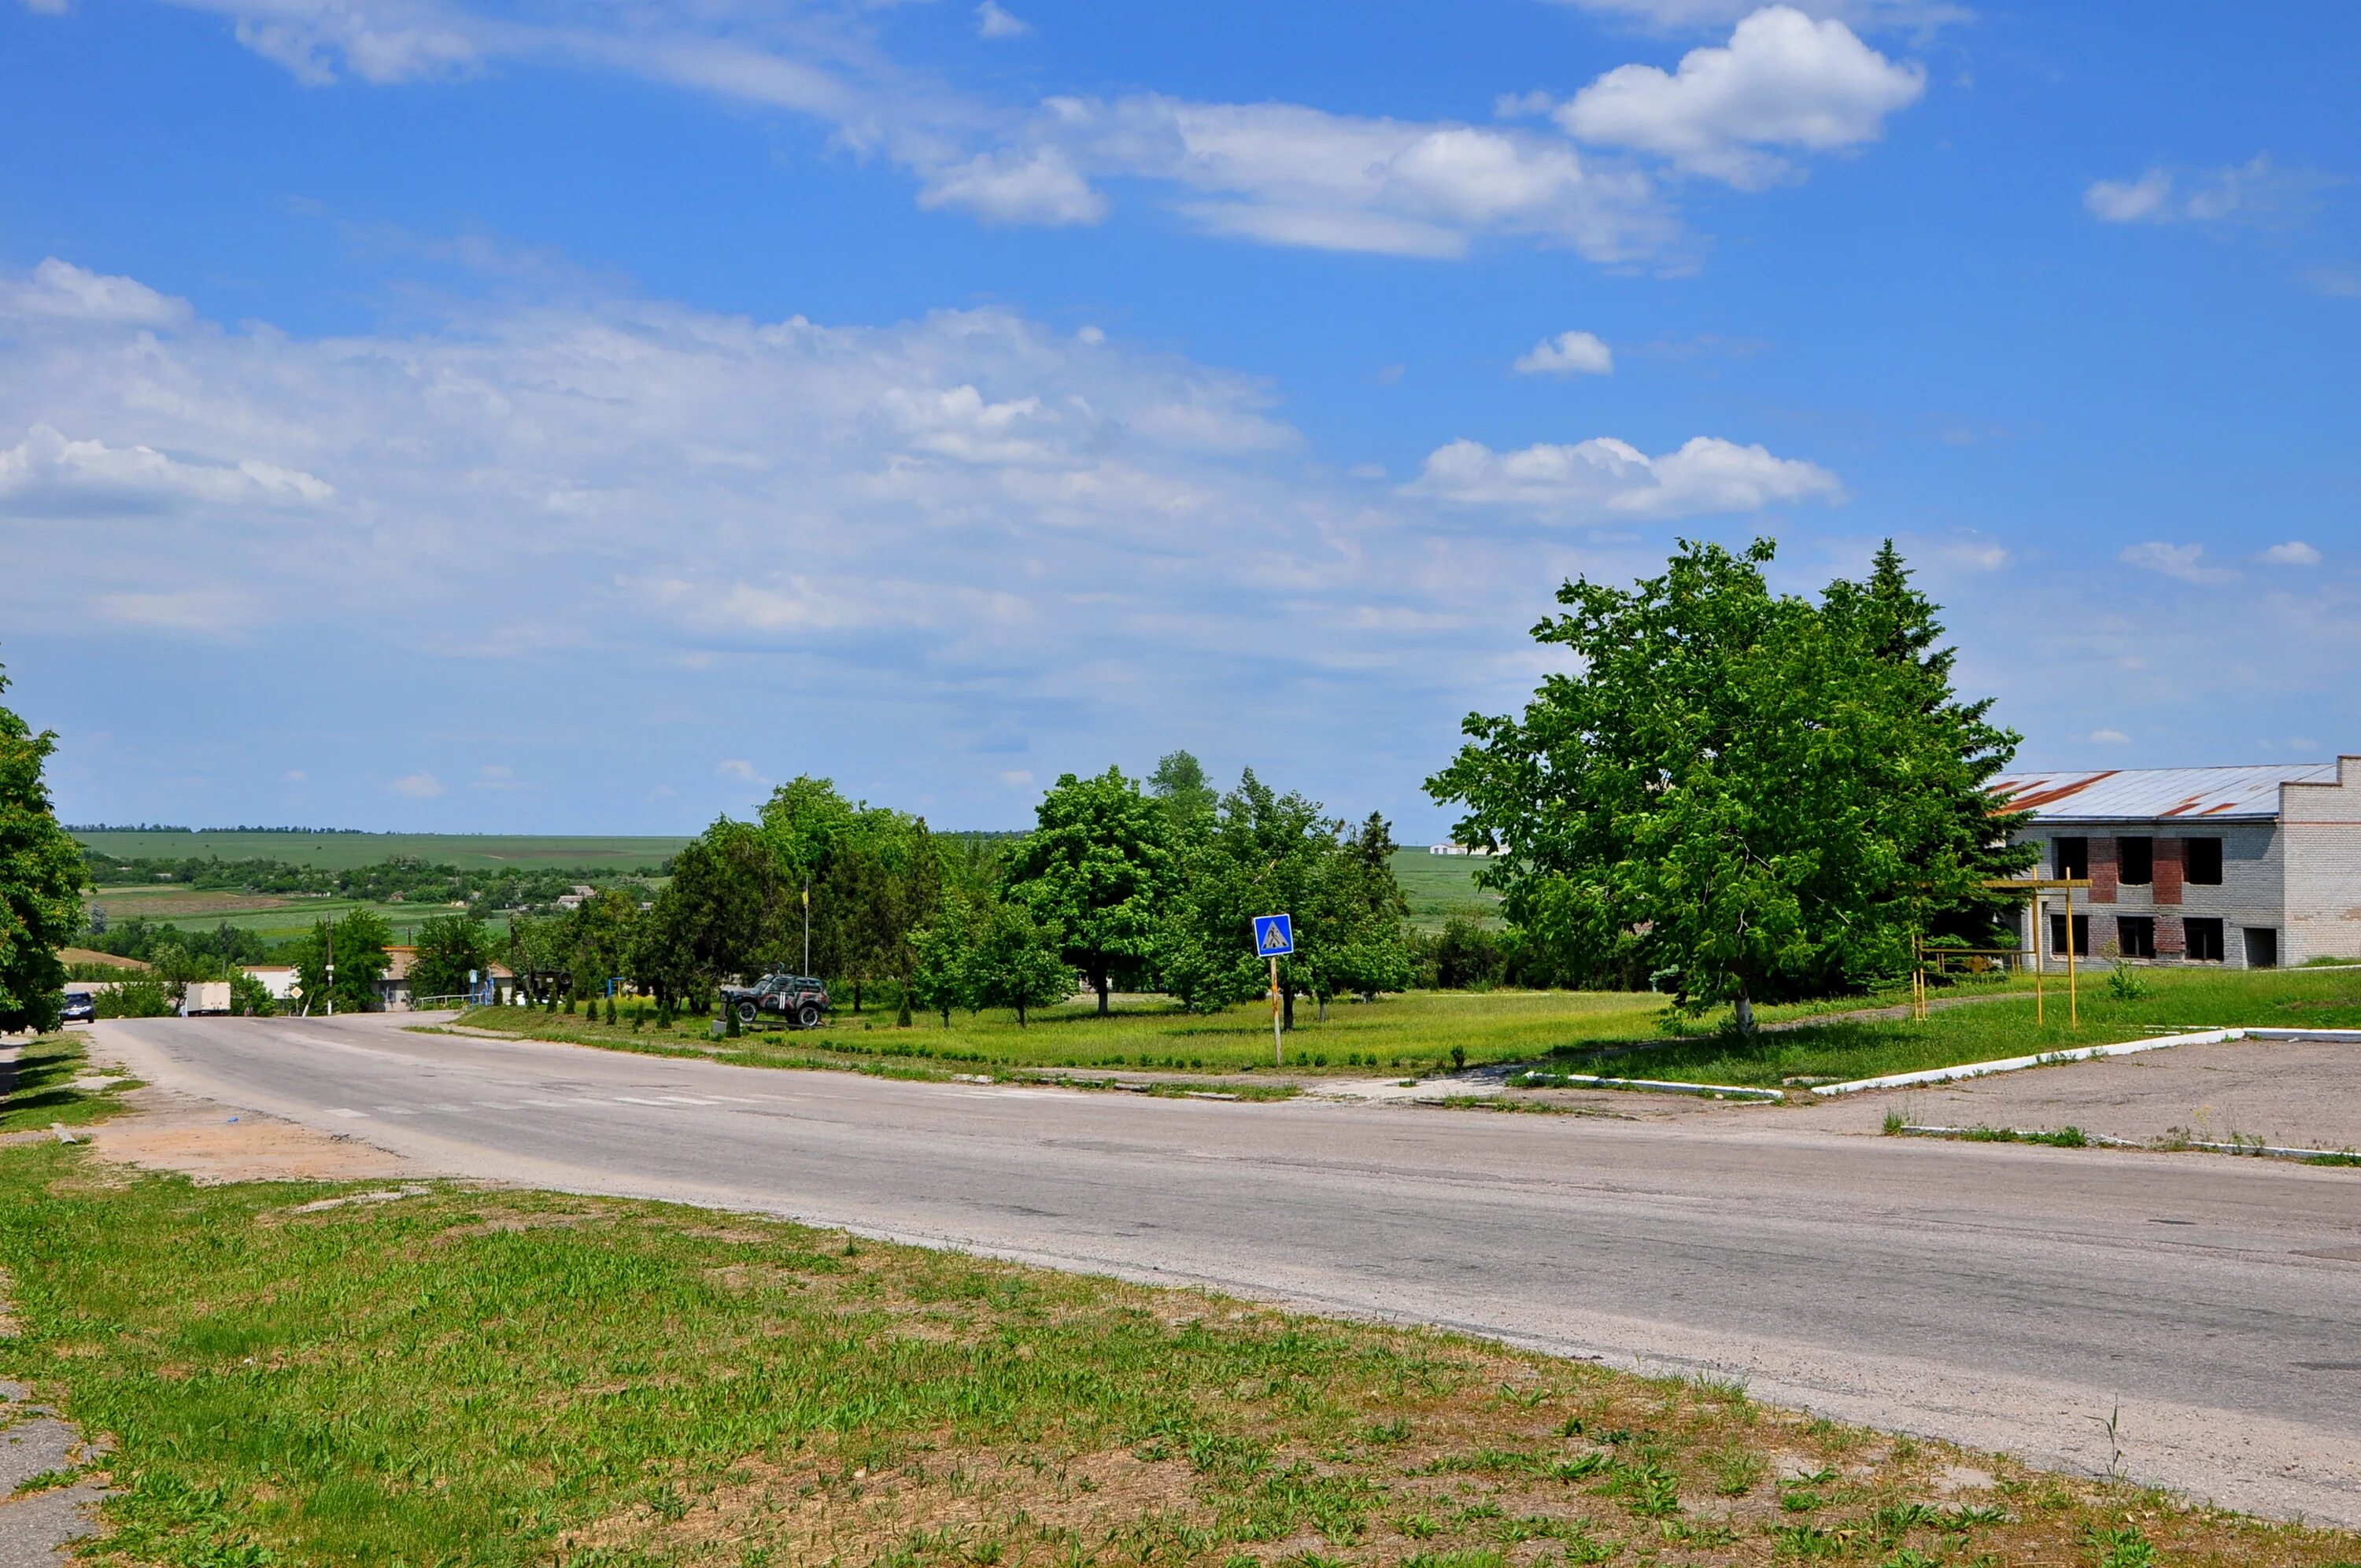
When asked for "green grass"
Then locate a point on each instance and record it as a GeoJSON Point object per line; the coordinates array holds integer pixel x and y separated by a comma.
{"type": "Point", "coordinates": [1618, 1033]}
{"type": "Point", "coordinates": [289, 918]}
{"type": "Point", "coordinates": [43, 1092]}
{"type": "Point", "coordinates": [1440, 886]}
{"type": "Point", "coordinates": [1414, 1032]}
{"type": "Point", "coordinates": [1993, 1030]}
{"type": "Point", "coordinates": [466, 1377]}
{"type": "Point", "coordinates": [346, 851]}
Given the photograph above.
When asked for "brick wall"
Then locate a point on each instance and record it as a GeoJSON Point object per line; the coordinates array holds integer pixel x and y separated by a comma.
{"type": "Point", "coordinates": [2172, 864]}
{"type": "Point", "coordinates": [2106, 876]}
{"type": "Point", "coordinates": [2171, 940]}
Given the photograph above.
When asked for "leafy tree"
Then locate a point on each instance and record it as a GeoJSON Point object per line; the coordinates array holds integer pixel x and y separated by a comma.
{"type": "Point", "coordinates": [42, 878]}
{"type": "Point", "coordinates": [1738, 793]}
{"type": "Point", "coordinates": [450, 949]}
{"type": "Point", "coordinates": [248, 997]}
{"type": "Point", "coordinates": [727, 907]}
{"type": "Point", "coordinates": [1018, 961]}
{"type": "Point", "coordinates": [1187, 795]}
{"type": "Point", "coordinates": [355, 944]}
{"type": "Point", "coordinates": [1269, 853]}
{"type": "Point", "coordinates": [601, 933]}
{"type": "Point", "coordinates": [1094, 868]}
{"type": "Point", "coordinates": [541, 953]}
{"type": "Point", "coordinates": [142, 997]}
{"type": "Point", "coordinates": [944, 951]}
{"type": "Point", "coordinates": [1897, 625]}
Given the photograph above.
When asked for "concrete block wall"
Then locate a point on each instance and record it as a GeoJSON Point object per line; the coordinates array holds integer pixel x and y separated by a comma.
{"type": "Point", "coordinates": [2252, 892]}
{"type": "Point", "coordinates": [2322, 832]}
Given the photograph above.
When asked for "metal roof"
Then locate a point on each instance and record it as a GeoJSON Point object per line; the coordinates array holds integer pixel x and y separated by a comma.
{"type": "Point", "coordinates": [2118, 795]}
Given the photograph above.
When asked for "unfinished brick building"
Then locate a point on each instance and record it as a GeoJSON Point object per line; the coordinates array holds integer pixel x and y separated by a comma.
{"type": "Point", "coordinates": [2251, 867]}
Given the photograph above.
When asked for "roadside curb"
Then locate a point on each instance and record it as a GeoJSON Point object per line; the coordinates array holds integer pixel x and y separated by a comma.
{"type": "Point", "coordinates": [2101, 1141]}
{"type": "Point", "coordinates": [2081, 1053]}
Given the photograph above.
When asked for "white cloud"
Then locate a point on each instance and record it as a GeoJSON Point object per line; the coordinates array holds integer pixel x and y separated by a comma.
{"type": "Point", "coordinates": [1603, 479]}
{"type": "Point", "coordinates": [992, 22]}
{"type": "Point", "coordinates": [1274, 173]}
{"type": "Point", "coordinates": [2110, 738]}
{"type": "Point", "coordinates": [2129, 201]}
{"type": "Point", "coordinates": [2294, 553]}
{"type": "Point", "coordinates": [60, 290]}
{"type": "Point", "coordinates": [2184, 562]}
{"type": "Point", "coordinates": [46, 475]}
{"type": "Point", "coordinates": [1568, 353]}
{"type": "Point", "coordinates": [1919, 16]}
{"type": "Point", "coordinates": [2256, 191]}
{"type": "Point", "coordinates": [1783, 82]}
{"type": "Point", "coordinates": [1286, 174]}
{"type": "Point", "coordinates": [419, 786]}
{"type": "Point", "coordinates": [1036, 185]}
{"type": "Point", "coordinates": [738, 768]}
{"type": "Point", "coordinates": [47, 7]}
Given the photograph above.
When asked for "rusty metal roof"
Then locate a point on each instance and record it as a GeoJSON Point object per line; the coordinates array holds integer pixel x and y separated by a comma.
{"type": "Point", "coordinates": [2121, 794]}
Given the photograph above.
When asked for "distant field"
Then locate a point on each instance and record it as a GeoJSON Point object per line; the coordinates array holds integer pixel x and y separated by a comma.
{"type": "Point", "coordinates": [276, 919]}
{"type": "Point", "coordinates": [1437, 885]}
{"type": "Point", "coordinates": [342, 851]}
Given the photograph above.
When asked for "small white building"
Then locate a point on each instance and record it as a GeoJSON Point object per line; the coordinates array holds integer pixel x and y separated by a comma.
{"type": "Point", "coordinates": [2247, 867]}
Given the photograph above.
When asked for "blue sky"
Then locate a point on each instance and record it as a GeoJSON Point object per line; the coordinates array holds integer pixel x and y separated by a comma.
{"type": "Point", "coordinates": [430, 416]}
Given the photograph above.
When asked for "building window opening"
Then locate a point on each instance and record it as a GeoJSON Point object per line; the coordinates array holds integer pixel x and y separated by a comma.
{"type": "Point", "coordinates": [2136, 936]}
{"type": "Point", "coordinates": [2081, 936]}
{"type": "Point", "coordinates": [2071, 857]}
{"type": "Point", "coordinates": [2204, 939]}
{"type": "Point", "coordinates": [2262, 947]}
{"type": "Point", "coordinates": [2138, 861]}
{"type": "Point", "coordinates": [2204, 857]}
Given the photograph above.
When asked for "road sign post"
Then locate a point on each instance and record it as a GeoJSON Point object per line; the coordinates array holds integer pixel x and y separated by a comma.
{"type": "Point", "coordinates": [1274, 937]}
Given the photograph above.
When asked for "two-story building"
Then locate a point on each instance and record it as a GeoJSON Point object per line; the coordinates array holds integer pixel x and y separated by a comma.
{"type": "Point", "coordinates": [2250, 867]}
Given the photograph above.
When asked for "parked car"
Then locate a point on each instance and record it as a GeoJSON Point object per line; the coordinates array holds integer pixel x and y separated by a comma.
{"type": "Point", "coordinates": [80, 1008]}
{"type": "Point", "coordinates": [796, 1000]}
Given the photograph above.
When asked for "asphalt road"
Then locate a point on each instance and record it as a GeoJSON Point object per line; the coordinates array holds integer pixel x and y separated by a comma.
{"type": "Point", "coordinates": [2009, 1298]}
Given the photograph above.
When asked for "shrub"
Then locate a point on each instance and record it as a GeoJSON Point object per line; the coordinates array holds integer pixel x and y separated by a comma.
{"type": "Point", "coordinates": [140, 998]}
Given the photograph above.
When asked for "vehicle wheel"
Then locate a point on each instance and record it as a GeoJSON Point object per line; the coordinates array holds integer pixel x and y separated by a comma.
{"type": "Point", "coordinates": [747, 1012]}
{"type": "Point", "coordinates": [807, 1015]}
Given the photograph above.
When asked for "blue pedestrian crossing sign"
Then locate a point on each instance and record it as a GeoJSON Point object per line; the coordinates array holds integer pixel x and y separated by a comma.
{"type": "Point", "coordinates": [1274, 935]}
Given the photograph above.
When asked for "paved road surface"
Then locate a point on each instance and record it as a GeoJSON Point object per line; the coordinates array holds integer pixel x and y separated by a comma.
{"type": "Point", "coordinates": [2005, 1297]}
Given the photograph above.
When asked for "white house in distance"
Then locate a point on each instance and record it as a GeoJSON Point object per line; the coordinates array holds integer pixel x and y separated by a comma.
{"type": "Point", "coordinates": [2249, 867]}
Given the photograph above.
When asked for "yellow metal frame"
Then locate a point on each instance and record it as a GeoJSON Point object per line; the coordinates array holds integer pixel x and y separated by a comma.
{"type": "Point", "coordinates": [2033, 887]}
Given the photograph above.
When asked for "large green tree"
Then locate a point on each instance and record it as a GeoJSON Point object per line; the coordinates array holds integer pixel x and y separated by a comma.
{"type": "Point", "coordinates": [356, 943]}
{"type": "Point", "coordinates": [451, 948]}
{"type": "Point", "coordinates": [1095, 867]}
{"type": "Point", "coordinates": [727, 908]}
{"type": "Point", "coordinates": [42, 878]}
{"type": "Point", "coordinates": [1270, 853]}
{"type": "Point", "coordinates": [1744, 794]}
{"type": "Point", "coordinates": [1017, 961]}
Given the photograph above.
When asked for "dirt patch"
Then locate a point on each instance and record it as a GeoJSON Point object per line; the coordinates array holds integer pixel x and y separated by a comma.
{"type": "Point", "coordinates": [818, 1512]}
{"type": "Point", "coordinates": [209, 1143]}
{"type": "Point", "coordinates": [2305, 1094]}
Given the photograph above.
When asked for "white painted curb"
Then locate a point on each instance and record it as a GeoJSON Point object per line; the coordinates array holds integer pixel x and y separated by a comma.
{"type": "Point", "coordinates": [2084, 1053]}
{"type": "Point", "coordinates": [1661, 1086]}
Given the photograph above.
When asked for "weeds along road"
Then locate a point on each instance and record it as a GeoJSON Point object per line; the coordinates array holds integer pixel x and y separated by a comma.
{"type": "Point", "coordinates": [2008, 1298]}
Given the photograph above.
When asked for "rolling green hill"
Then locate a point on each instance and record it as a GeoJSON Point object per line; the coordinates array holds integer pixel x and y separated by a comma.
{"type": "Point", "coordinates": [341, 851]}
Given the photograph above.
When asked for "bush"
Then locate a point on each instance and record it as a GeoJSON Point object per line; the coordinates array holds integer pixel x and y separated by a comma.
{"type": "Point", "coordinates": [248, 997]}
{"type": "Point", "coordinates": [136, 999]}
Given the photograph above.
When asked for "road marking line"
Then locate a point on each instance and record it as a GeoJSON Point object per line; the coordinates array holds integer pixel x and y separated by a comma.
{"type": "Point", "coordinates": [397, 1111]}
{"type": "Point", "coordinates": [340, 1112]}
{"type": "Point", "coordinates": [635, 1100]}
{"type": "Point", "coordinates": [686, 1099]}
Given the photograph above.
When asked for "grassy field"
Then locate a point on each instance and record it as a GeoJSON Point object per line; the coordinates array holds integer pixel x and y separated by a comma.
{"type": "Point", "coordinates": [1399, 1034]}
{"type": "Point", "coordinates": [463, 1377]}
{"type": "Point", "coordinates": [274, 919]}
{"type": "Point", "coordinates": [44, 1094]}
{"type": "Point", "coordinates": [1439, 886]}
{"type": "Point", "coordinates": [342, 851]}
{"type": "Point", "coordinates": [1618, 1032]}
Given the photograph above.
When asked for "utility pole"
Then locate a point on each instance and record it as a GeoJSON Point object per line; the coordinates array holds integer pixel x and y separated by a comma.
{"type": "Point", "coordinates": [807, 922]}
{"type": "Point", "coordinates": [332, 967]}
